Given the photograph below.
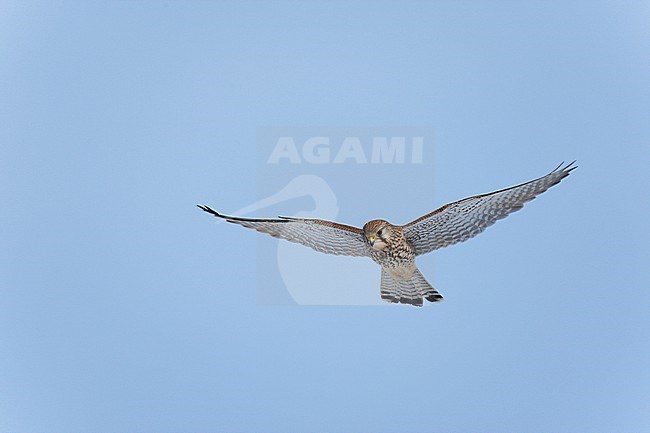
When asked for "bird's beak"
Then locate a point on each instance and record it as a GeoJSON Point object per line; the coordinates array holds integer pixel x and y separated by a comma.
{"type": "Point", "coordinates": [372, 239]}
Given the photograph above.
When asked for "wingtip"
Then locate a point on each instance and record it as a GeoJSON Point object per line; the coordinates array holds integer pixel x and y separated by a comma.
{"type": "Point", "coordinates": [566, 168]}
{"type": "Point", "coordinates": [571, 166]}
{"type": "Point", "coordinates": [209, 210]}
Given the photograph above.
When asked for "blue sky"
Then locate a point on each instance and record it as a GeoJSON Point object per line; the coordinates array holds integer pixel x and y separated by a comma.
{"type": "Point", "coordinates": [124, 308]}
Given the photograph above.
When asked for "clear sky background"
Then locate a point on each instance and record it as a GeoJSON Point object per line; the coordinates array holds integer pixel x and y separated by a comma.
{"type": "Point", "coordinates": [123, 308]}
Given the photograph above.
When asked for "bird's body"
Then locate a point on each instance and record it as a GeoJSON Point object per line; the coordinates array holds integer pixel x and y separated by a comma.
{"type": "Point", "coordinates": [401, 281]}
{"type": "Point", "coordinates": [390, 249]}
{"type": "Point", "coordinates": [395, 247]}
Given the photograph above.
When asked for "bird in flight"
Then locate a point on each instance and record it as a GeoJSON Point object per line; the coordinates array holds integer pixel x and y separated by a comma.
{"type": "Point", "coordinates": [395, 247]}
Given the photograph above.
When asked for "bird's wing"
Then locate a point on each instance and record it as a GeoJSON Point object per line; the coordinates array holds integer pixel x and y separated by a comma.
{"type": "Point", "coordinates": [325, 236]}
{"type": "Point", "coordinates": [461, 220]}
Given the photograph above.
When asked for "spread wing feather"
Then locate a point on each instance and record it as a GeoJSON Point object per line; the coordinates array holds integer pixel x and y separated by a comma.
{"type": "Point", "coordinates": [325, 236]}
{"type": "Point", "coordinates": [461, 220]}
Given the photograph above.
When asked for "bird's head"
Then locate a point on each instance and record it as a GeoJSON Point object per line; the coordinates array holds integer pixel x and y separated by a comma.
{"type": "Point", "coordinates": [378, 233]}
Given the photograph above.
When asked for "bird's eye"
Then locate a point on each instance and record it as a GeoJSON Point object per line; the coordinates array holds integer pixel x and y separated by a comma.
{"type": "Point", "coordinates": [379, 233]}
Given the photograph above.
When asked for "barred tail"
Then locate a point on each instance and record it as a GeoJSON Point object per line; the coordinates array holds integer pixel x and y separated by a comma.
{"type": "Point", "coordinates": [411, 291]}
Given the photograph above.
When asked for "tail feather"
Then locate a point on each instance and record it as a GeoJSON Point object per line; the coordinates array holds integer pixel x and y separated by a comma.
{"type": "Point", "coordinates": [412, 291]}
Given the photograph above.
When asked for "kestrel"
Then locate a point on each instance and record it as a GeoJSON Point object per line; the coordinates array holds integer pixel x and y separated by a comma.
{"type": "Point", "coordinates": [394, 247]}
